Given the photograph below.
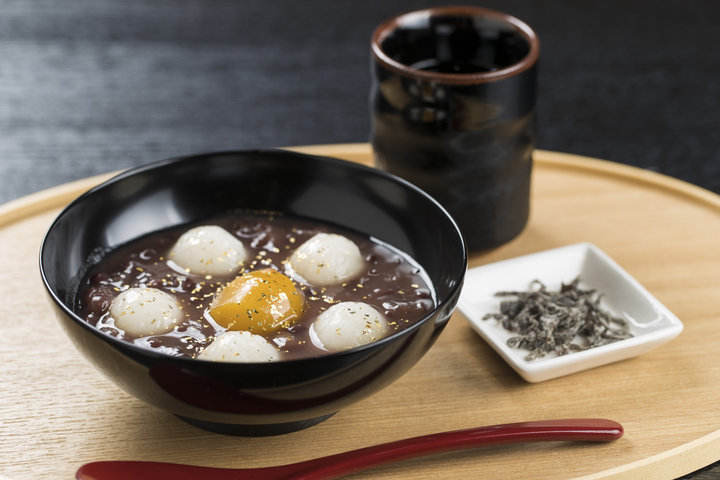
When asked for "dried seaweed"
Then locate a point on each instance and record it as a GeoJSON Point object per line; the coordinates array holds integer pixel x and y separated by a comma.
{"type": "Point", "coordinates": [562, 322]}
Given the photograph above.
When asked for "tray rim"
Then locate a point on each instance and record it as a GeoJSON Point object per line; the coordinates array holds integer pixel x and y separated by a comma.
{"type": "Point", "coordinates": [689, 457]}
{"type": "Point", "coordinates": [57, 196]}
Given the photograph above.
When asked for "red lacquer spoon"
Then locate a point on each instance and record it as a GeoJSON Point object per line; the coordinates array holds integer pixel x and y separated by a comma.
{"type": "Point", "coordinates": [334, 466]}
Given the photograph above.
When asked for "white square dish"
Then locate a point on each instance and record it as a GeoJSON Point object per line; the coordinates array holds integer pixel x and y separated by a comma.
{"type": "Point", "coordinates": [651, 323]}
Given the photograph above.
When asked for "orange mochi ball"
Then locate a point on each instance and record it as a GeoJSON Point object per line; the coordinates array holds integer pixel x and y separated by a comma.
{"type": "Point", "coordinates": [261, 301]}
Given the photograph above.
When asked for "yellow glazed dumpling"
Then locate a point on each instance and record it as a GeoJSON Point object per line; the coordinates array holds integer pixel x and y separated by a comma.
{"type": "Point", "coordinates": [208, 250]}
{"type": "Point", "coordinates": [348, 324]}
{"type": "Point", "coordinates": [327, 259]}
{"type": "Point", "coordinates": [145, 311]}
{"type": "Point", "coordinates": [261, 301]}
{"type": "Point", "coordinates": [240, 347]}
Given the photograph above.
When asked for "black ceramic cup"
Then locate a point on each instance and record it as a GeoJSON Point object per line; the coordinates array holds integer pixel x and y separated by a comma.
{"type": "Point", "coordinates": [453, 111]}
{"type": "Point", "coordinates": [252, 398]}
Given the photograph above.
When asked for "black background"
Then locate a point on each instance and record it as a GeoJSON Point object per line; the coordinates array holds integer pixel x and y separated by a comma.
{"type": "Point", "coordinates": [91, 86]}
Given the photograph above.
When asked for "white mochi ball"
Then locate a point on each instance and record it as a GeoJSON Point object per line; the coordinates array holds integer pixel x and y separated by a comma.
{"type": "Point", "coordinates": [145, 311]}
{"type": "Point", "coordinates": [347, 325]}
{"type": "Point", "coordinates": [327, 259]}
{"type": "Point", "coordinates": [233, 346]}
{"type": "Point", "coordinates": [208, 250]}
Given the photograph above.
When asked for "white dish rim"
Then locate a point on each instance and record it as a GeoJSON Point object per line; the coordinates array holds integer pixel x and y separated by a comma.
{"type": "Point", "coordinates": [669, 326]}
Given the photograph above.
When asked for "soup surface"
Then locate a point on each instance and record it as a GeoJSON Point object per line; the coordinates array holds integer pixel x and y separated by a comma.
{"type": "Point", "coordinates": [389, 288]}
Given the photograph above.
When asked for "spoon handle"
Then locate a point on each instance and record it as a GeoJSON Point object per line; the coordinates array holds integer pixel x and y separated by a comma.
{"type": "Point", "coordinates": [334, 466]}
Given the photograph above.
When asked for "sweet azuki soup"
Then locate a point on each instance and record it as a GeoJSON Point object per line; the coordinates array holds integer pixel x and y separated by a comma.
{"type": "Point", "coordinates": [248, 287]}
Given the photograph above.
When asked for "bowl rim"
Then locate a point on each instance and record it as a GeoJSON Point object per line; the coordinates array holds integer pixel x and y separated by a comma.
{"type": "Point", "coordinates": [121, 344]}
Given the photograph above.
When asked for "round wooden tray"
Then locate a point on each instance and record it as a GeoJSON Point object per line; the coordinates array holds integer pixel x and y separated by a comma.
{"type": "Point", "coordinates": [58, 412]}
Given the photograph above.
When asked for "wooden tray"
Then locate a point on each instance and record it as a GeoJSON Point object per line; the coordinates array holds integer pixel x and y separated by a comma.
{"type": "Point", "coordinates": [58, 412]}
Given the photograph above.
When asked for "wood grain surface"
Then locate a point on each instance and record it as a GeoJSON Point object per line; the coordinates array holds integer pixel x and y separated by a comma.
{"type": "Point", "coordinates": [58, 412]}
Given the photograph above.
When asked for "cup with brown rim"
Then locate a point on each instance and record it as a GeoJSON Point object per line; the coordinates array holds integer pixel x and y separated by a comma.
{"type": "Point", "coordinates": [453, 111]}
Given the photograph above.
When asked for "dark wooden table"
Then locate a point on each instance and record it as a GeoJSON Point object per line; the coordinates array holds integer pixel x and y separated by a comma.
{"type": "Point", "coordinates": [91, 86]}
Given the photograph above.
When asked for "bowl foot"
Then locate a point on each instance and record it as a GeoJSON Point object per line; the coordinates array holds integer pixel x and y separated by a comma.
{"type": "Point", "coordinates": [256, 430]}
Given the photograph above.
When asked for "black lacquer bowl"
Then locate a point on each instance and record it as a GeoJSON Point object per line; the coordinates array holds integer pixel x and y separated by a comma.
{"type": "Point", "coordinates": [253, 398]}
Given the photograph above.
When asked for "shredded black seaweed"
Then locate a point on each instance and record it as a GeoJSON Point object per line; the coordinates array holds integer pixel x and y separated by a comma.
{"type": "Point", "coordinates": [564, 321]}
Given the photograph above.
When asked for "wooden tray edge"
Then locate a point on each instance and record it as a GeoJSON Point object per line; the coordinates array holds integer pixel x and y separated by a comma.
{"type": "Point", "coordinates": [361, 152]}
{"type": "Point", "coordinates": [61, 195]}
{"type": "Point", "coordinates": [43, 200]}
{"type": "Point", "coordinates": [672, 463]}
